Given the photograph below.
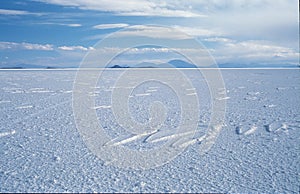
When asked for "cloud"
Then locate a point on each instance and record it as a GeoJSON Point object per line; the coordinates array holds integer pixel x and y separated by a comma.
{"type": "Point", "coordinates": [172, 33]}
{"type": "Point", "coordinates": [135, 50]}
{"type": "Point", "coordinates": [130, 7]}
{"type": "Point", "coordinates": [198, 31]}
{"type": "Point", "coordinates": [25, 46]}
{"type": "Point", "coordinates": [218, 39]}
{"type": "Point", "coordinates": [160, 32]}
{"type": "Point", "coordinates": [163, 12]}
{"type": "Point", "coordinates": [75, 48]}
{"type": "Point", "coordinates": [263, 47]}
{"type": "Point", "coordinates": [41, 47]}
{"type": "Point", "coordinates": [254, 51]}
{"type": "Point", "coordinates": [241, 19]}
{"type": "Point", "coordinates": [151, 32]}
{"type": "Point", "coordinates": [140, 30]}
{"type": "Point", "coordinates": [16, 12]}
{"type": "Point", "coordinates": [110, 26]}
{"type": "Point", "coordinates": [72, 25]}
{"type": "Point", "coordinates": [13, 12]}
{"type": "Point", "coordinates": [257, 19]}
{"type": "Point", "coordinates": [62, 24]}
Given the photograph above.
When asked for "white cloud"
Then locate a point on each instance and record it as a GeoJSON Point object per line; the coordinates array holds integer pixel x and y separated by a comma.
{"type": "Point", "coordinates": [255, 51]}
{"type": "Point", "coordinates": [245, 47]}
{"type": "Point", "coordinates": [149, 49]}
{"type": "Point", "coordinates": [256, 19]}
{"type": "Point", "coordinates": [25, 46]}
{"type": "Point", "coordinates": [135, 50]}
{"type": "Point", "coordinates": [116, 49]}
{"type": "Point", "coordinates": [75, 48]}
{"type": "Point", "coordinates": [218, 39]}
{"type": "Point", "coordinates": [241, 19]}
{"type": "Point", "coordinates": [62, 24]}
{"type": "Point", "coordinates": [153, 50]}
{"type": "Point", "coordinates": [17, 12]}
{"type": "Point", "coordinates": [163, 12]}
{"type": "Point", "coordinates": [198, 31]}
{"type": "Point", "coordinates": [72, 25]}
{"type": "Point", "coordinates": [110, 26]}
{"type": "Point", "coordinates": [182, 32]}
{"type": "Point", "coordinates": [42, 47]}
{"type": "Point", "coordinates": [13, 12]}
{"type": "Point", "coordinates": [152, 32]}
{"type": "Point", "coordinates": [131, 7]}
{"type": "Point", "coordinates": [172, 33]}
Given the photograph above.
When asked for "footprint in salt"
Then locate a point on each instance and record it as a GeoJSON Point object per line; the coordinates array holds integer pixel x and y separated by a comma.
{"type": "Point", "coordinates": [239, 130]}
{"type": "Point", "coordinates": [276, 127]}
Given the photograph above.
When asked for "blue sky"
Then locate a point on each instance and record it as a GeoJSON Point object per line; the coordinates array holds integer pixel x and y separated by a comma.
{"type": "Point", "coordinates": [238, 32]}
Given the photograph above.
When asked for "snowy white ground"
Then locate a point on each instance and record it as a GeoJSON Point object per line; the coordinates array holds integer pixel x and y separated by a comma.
{"type": "Point", "coordinates": [257, 150]}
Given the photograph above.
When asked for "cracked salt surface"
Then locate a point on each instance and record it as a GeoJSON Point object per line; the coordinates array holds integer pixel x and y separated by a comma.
{"type": "Point", "coordinates": [257, 149]}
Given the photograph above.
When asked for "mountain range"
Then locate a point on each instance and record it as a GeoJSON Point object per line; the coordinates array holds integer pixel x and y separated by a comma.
{"type": "Point", "coordinates": [177, 63]}
{"type": "Point", "coordinates": [27, 66]}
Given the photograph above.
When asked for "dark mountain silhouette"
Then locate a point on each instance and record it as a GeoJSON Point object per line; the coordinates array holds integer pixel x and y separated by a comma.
{"type": "Point", "coordinates": [177, 63]}
{"type": "Point", "coordinates": [146, 65]}
{"type": "Point", "coordinates": [26, 66]}
{"type": "Point", "coordinates": [181, 64]}
{"type": "Point", "coordinates": [118, 66]}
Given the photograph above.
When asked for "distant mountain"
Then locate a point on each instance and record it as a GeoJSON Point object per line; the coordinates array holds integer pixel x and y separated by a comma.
{"type": "Point", "coordinates": [140, 65]}
{"type": "Point", "coordinates": [177, 63]}
{"type": "Point", "coordinates": [26, 66]}
{"type": "Point", "coordinates": [181, 64]}
{"type": "Point", "coordinates": [118, 66]}
{"type": "Point", "coordinates": [146, 65]}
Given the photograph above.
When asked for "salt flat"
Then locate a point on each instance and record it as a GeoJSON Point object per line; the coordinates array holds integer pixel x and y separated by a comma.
{"type": "Point", "coordinates": [257, 149]}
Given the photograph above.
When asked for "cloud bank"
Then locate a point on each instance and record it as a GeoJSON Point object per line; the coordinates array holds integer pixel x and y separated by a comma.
{"type": "Point", "coordinates": [131, 7]}
{"type": "Point", "coordinates": [25, 46]}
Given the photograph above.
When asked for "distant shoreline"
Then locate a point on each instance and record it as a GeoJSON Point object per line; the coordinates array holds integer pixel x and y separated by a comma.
{"type": "Point", "coordinates": [118, 69]}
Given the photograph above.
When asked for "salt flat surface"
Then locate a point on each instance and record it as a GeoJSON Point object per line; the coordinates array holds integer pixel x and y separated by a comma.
{"type": "Point", "coordinates": [257, 149]}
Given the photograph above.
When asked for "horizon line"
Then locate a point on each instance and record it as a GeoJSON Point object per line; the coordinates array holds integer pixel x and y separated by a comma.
{"type": "Point", "coordinates": [76, 69]}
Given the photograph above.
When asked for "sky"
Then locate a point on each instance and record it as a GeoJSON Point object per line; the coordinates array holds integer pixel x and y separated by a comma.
{"type": "Point", "coordinates": [237, 33]}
